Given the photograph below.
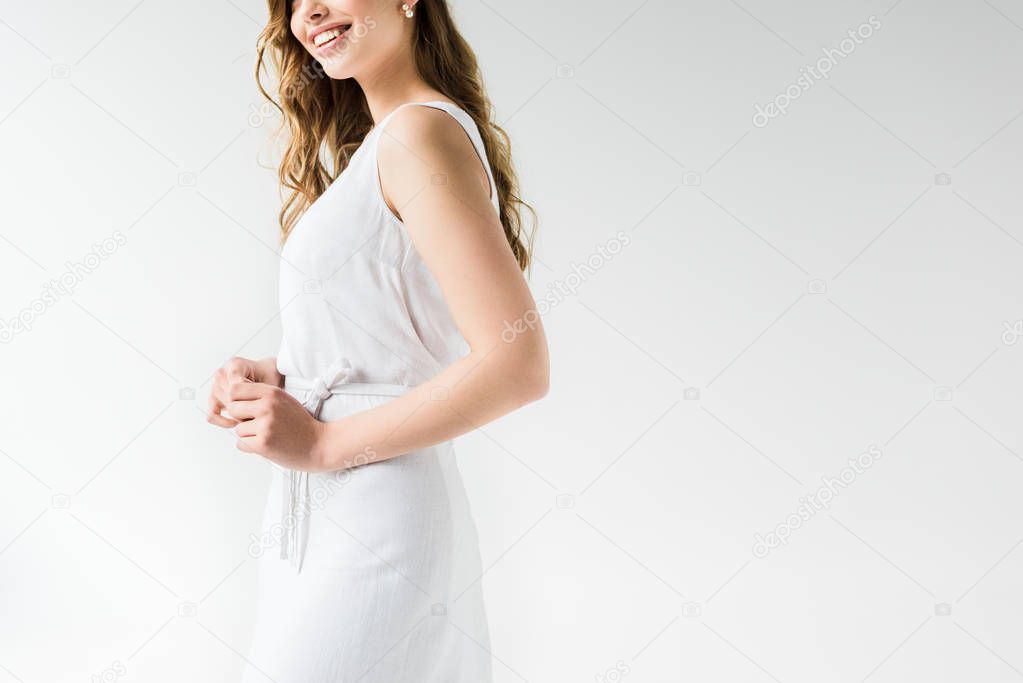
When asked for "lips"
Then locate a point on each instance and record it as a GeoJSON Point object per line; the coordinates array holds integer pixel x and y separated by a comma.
{"type": "Point", "coordinates": [330, 37]}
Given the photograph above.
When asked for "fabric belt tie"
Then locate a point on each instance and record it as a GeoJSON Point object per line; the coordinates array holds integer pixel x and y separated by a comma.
{"type": "Point", "coordinates": [296, 506]}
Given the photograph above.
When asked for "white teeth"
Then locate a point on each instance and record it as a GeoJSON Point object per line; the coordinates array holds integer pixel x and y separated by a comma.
{"type": "Point", "coordinates": [327, 36]}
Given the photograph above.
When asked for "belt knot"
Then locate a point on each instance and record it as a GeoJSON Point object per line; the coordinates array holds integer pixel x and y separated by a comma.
{"type": "Point", "coordinates": [322, 387]}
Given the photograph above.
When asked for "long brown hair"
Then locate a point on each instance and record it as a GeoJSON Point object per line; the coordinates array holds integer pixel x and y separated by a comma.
{"type": "Point", "coordinates": [324, 115]}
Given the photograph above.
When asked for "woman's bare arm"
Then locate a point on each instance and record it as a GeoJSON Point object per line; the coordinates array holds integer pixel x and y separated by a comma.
{"type": "Point", "coordinates": [430, 171]}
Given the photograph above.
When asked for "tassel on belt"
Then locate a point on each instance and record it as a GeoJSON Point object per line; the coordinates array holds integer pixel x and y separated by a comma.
{"type": "Point", "coordinates": [296, 506]}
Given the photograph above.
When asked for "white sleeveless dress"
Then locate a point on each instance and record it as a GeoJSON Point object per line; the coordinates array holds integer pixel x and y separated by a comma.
{"type": "Point", "coordinates": [371, 574]}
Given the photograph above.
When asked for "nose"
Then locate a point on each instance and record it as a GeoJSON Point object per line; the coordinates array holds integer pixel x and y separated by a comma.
{"type": "Point", "coordinates": [312, 11]}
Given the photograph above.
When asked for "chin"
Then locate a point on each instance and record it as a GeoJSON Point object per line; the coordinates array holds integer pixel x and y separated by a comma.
{"type": "Point", "coordinates": [339, 64]}
{"type": "Point", "coordinates": [337, 70]}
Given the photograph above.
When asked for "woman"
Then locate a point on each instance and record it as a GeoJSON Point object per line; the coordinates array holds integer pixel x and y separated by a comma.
{"type": "Point", "coordinates": [406, 323]}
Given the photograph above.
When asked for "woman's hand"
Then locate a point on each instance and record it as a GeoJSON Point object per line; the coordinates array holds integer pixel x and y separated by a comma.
{"type": "Point", "coordinates": [239, 370]}
{"type": "Point", "coordinates": [272, 423]}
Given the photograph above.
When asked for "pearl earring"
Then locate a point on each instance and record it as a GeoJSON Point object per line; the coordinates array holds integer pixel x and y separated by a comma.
{"type": "Point", "coordinates": [408, 10]}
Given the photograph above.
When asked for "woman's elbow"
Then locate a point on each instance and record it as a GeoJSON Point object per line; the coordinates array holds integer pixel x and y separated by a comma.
{"type": "Point", "coordinates": [537, 387]}
{"type": "Point", "coordinates": [536, 373]}
{"type": "Point", "coordinates": [524, 366]}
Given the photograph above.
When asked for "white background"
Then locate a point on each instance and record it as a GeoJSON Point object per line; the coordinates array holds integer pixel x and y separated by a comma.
{"type": "Point", "coordinates": [816, 284]}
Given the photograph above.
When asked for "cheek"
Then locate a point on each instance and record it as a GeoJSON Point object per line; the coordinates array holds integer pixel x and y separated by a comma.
{"type": "Point", "coordinates": [361, 8]}
{"type": "Point", "coordinates": [295, 28]}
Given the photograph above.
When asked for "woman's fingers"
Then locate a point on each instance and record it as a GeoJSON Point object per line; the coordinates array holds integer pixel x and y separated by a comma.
{"type": "Point", "coordinates": [247, 391]}
{"type": "Point", "coordinates": [245, 445]}
{"type": "Point", "coordinates": [245, 409]}
{"type": "Point", "coordinates": [248, 428]}
{"type": "Point", "coordinates": [246, 399]}
{"type": "Point", "coordinates": [236, 372]}
{"type": "Point", "coordinates": [239, 368]}
{"type": "Point", "coordinates": [220, 420]}
{"type": "Point", "coordinates": [214, 416]}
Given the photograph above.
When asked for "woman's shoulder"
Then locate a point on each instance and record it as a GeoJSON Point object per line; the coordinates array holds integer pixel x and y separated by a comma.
{"type": "Point", "coordinates": [412, 116]}
{"type": "Point", "coordinates": [426, 129]}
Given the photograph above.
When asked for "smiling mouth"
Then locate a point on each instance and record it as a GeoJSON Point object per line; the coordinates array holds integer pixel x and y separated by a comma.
{"type": "Point", "coordinates": [331, 37]}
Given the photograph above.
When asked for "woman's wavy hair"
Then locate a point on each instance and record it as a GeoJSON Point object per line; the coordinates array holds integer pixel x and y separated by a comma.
{"type": "Point", "coordinates": [328, 118]}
